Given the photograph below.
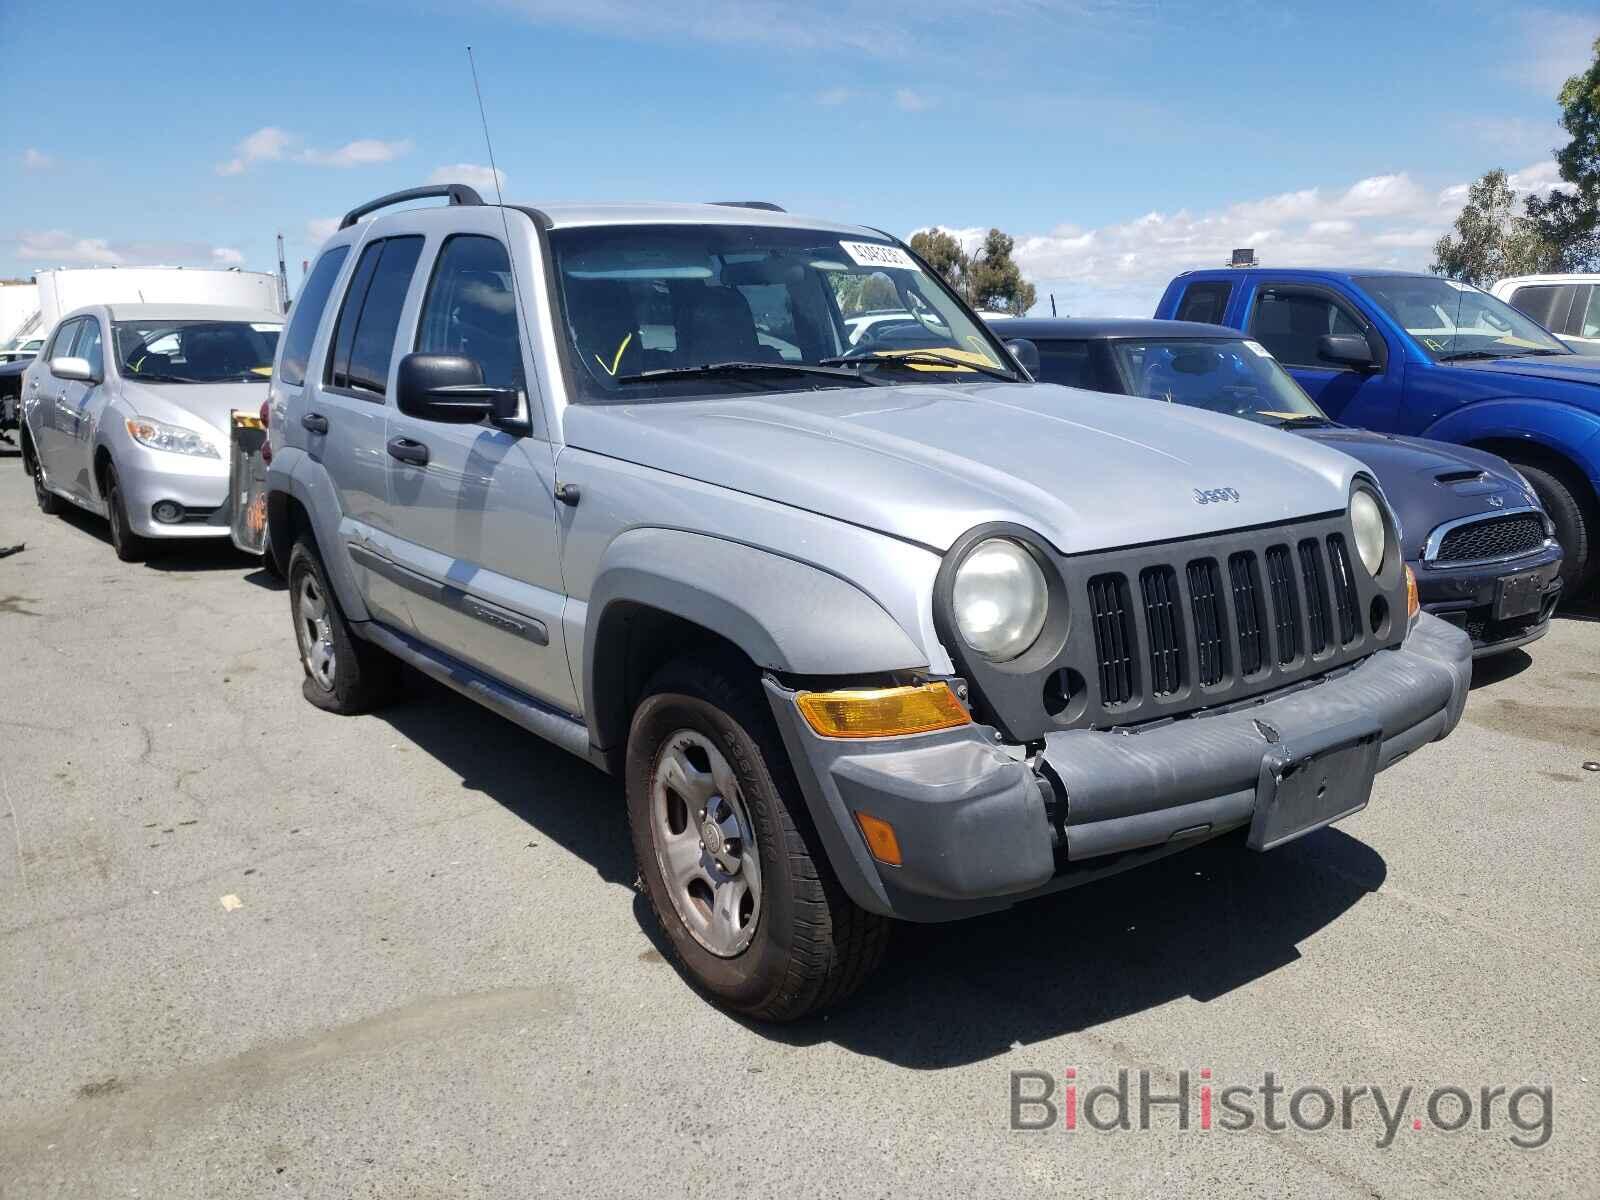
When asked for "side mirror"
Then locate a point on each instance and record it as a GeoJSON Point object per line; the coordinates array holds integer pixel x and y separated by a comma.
{"type": "Point", "coordinates": [76, 369]}
{"type": "Point", "coordinates": [1026, 353]}
{"type": "Point", "coordinates": [450, 388]}
{"type": "Point", "coordinates": [1346, 349]}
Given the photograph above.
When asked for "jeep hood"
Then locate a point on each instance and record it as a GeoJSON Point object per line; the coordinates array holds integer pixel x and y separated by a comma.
{"type": "Point", "coordinates": [928, 462]}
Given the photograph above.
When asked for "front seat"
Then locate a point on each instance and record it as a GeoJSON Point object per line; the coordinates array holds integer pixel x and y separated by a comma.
{"type": "Point", "coordinates": [605, 327]}
{"type": "Point", "coordinates": [717, 326]}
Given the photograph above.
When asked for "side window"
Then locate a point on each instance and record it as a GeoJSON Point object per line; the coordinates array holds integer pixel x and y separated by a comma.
{"type": "Point", "coordinates": [1205, 302]}
{"type": "Point", "coordinates": [307, 315]}
{"type": "Point", "coordinates": [1291, 324]}
{"type": "Point", "coordinates": [1588, 324]}
{"type": "Point", "coordinates": [1547, 304]}
{"type": "Point", "coordinates": [470, 309]}
{"type": "Point", "coordinates": [1066, 363]}
{"type": "Point", "coordinates": [363, 343]}
{"type": "Point", "coordinates": [61, 344]}
{"type": "Point", "coordinates": [89, 347]}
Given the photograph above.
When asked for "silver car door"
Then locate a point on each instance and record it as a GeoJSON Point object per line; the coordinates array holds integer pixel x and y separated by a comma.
{"type": "Point", "coordinates": [51, 396]}
{"type": "Point", "coordinates": [475, 529]}
{"type": "Point", "coordinates": [81, 411]}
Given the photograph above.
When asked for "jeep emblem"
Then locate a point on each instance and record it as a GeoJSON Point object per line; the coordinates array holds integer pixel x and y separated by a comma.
{"type": "Point", "coordinates": [1216, 495]}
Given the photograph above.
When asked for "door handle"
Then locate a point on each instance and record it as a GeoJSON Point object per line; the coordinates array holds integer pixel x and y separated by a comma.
{"type": "Point", "coordinates": [408, 451]}
{"type": "Point", "coordinates": [315, 422]}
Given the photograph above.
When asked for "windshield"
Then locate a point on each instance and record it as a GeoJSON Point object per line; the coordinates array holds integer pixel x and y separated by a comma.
{"type": "Point", "coordinates": [650, 307]}
{"type": "Point", "coordinates": [196, 351]}
{"type": "Point", "coordinates": [1236, 377]}
{"type": "Point", "coordinates": [1457, 321]}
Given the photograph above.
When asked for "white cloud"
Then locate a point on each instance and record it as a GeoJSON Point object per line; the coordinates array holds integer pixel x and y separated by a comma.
{"type": "Point", "coordinates": [36, 160]}
{"type": "Point", "coordinates": [1553, 46]}
{"type": "Point", "coordinates": [272, 144]}
{"type": "Point", "coordinates": [264, 145]}
{"type": "Point", "coordinates": [363, 152]}
{"type": "Point", "coordinates": [1121, 269]}
{"type": "Point", "coordinates": [472, 174]}
{"type": "Point", "coordinates": [60, 248]}
{"type": "Point", "coordinates": [909, 101]}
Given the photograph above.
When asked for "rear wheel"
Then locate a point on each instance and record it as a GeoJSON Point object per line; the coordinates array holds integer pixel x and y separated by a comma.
{"type": "Point", "coordinates": [130, 547]}
{"type": "Point", "coordinates": [49, 503]}
{"type": "Point", "coordinates": [727, 855]}
{"type": "Point", "coordinates": [344, 674]}
{"type": "Point", "coordinates": [1574, 529]}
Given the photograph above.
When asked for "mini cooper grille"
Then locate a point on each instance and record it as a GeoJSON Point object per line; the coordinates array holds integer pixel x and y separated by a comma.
{"type": "Point", "coordinates": [1344, 590]}
{"type": "Point", "coordinates": [1493, 537]}
{"type": "Point", "coordinates": [1286, 611]}
{"type": "Point", "coordinates": [1210, 619]}
{"type": "Point", "coordinates": [1164, 619]}
{"type": "Point", "coordinates": [1112, 614]}
{"type": "Point", "coordinates": [1249, 612]}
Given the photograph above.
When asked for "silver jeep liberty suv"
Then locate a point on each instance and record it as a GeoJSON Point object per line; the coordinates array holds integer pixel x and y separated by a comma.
{"type": "Point", "coordinates": [871, 625]}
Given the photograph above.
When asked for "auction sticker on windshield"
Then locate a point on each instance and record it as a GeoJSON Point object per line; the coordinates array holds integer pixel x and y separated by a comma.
{"type": "Point", "coordinates": [872, 254]}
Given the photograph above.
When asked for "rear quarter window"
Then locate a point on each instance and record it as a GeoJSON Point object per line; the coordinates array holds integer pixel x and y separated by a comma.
{"type": "Point", "coordinates": [307, 315]}
{"type": "Point", "coordinates": [1205, 302]}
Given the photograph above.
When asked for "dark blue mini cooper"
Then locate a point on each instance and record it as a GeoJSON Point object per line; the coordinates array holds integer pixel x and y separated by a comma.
{"type": "Point", "coordinates": [1483, 550]}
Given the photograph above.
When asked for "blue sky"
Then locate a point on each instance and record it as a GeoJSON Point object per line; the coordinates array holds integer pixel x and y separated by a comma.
{"type": "Point", "coordinates": [1118, 140]}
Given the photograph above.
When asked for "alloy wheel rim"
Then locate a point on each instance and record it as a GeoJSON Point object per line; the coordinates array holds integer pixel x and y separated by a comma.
{"type": "Point", "coordinates": [705, 843]}
{"type": "Point", "coordinates": [314, 630]}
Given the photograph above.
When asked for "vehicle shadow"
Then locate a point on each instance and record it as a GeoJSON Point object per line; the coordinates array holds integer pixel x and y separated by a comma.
{"type": "Point", "coordinates": [216, 554]}
{"type": "Point", "coordinates": [1200, 924]}
{"type": "Point", "coordinates": [559, 796]}
{"type": "Point", "coordinates": [1488, 671]}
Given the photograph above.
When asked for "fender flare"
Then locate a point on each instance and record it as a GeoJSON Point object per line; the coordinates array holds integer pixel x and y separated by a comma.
{"type": "Point", "coordinates": [296, 475]}
{"type": "Point", "coordinates": [1562, 429]}
{"type": "Point", "coordinates": [785, 615]}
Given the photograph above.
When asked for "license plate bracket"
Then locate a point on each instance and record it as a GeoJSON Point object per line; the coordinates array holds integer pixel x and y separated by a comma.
{"type": "Point", "coordinates": [1518, 595]}
{"type": "Point", "coordinates": [1314, 782]}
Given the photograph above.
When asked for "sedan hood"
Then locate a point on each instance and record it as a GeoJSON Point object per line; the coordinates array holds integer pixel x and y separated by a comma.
{"type": "Point", "coordinates": [928, 462]}
{"type": "Point", "coordinates": [1427, 482]}
{"type": "Point", "coordinates": [205, 407]}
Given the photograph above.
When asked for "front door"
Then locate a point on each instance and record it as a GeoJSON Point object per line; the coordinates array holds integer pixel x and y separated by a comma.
{"type": "Point", "coordinates": [1290, 320]}
{"type": "Point", "coordinates": [473, 505]}
{"type": "Point", "coordinates": [80, 416]}
{"type": "Point", "coordinates": [48, 402]}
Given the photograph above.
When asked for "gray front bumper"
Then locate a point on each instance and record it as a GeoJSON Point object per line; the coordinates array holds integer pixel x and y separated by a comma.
{"type": "Point", "coordinates": [973, 823]}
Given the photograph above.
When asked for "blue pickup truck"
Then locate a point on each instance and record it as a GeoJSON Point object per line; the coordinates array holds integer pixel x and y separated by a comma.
{"type": "Point", "coordinates": [1417, 354]}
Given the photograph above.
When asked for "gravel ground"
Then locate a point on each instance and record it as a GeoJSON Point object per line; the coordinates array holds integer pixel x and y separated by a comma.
{"type": "Point", "coordinates": [251, 949]}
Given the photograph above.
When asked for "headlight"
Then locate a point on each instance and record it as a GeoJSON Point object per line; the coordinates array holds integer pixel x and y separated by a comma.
{"type": "Point", "coordinates": [1371, 533]}
{"type": "Point", "coordinates": [999, 598]}
{"type": "Point", "coordinates": [158, 435]}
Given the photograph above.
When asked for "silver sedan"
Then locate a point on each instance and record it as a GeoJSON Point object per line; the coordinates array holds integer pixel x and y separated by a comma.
{"type": "Point", "coordinates": [127, 413]}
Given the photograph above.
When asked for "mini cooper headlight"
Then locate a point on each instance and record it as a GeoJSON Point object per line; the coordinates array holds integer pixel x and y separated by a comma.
{"type": "Point", "coordinates": [1372, 534]}
{"type": "Point", "coordinates": [158, 435]}
{"type": "Point", "coordinates": [999, 597]}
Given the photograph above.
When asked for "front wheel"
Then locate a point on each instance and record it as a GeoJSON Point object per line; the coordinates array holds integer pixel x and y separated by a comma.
{"type": "Point", "coordinates": [1573, 528]}
{"type": "Point", "coordinates": [727, 855]}
{"type": "Point", "coordinates": [130, 547]}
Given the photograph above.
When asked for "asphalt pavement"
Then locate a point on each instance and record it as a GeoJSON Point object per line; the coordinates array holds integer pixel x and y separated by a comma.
{"type": "Point", "coordinates": [248, 948]}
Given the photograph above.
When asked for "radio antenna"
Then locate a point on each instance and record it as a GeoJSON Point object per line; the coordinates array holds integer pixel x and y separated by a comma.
{"type": "Point", "coordinates": [500, 201]}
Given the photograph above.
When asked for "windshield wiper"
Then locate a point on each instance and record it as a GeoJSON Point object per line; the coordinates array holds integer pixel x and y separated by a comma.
{"type": "Point", "coordinates": [157, 377]}
{"type": "Point", "coordinates": [744, 368]}
{"type": "Point", "coordinates": [1306, 421]}
{"type": "Point", "coordinates": [1459, 355]}
{"type": "Point", "coordinates": [911, 358]}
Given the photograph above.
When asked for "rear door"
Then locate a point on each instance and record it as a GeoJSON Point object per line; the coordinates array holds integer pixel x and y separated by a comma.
{"type": "Point", "coordinates": [345, 411]}
{"type": "Point", "coordinates": [1291, 318]}
{"type": "Point", "coordinates": [475, 533]}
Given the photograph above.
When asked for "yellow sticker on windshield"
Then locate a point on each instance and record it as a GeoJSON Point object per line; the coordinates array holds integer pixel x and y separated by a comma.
{"type": "Point", "coordinates": [265, 372]}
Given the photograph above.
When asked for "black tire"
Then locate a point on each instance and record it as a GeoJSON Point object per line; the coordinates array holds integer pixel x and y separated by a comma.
{"type": "Point", "coordinates": [811, 946]}
{"type": "Point", "coordinates": [1574, 527]}
{"type": "Point", "coordinates": [130, 547]}
{"type": "Point", "coordinates": [49, 503]}
{"type": "Point", "coordinates": [269, 560]}
{"type": "Point", "coordinates": [357, 676]}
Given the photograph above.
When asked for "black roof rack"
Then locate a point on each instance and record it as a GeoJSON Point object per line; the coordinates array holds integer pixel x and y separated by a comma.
{"type": "Point", "coordinates": [458, 193]}
{"type": "Point", "coordinates": [763, 205]}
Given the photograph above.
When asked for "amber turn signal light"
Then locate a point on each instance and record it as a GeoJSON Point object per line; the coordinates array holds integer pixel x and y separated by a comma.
{"type": "Point", "coordinates": [882, 712]}
{"type": "Point", "coordinates": [880, 837]}
{"type": "Point", "coordinates": [1413, 605]}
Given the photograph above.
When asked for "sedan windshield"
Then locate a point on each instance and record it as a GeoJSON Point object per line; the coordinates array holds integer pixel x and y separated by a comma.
{"type": "Point", "coordinates": [1455, 321]}
{"type": "Point", "coordinates": [1236, 377]}
{"type": "Point", "coordinates": [196, 351]}
{"type": "Point", "coordinates": [673, 311]}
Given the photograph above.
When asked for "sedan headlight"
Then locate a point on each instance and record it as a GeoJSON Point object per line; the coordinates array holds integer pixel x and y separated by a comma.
{"type": "Point", "coordinates": [1000, 598]}
{"type": "Point", "coordinates": [158, 435]}
{"type": "Point", "coordinates": [1372, 533]}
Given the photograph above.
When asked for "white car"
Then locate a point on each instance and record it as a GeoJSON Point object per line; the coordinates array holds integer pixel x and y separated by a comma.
{"type": "Point", "coordinates": [21, 348]}
{"type": "Point", "coordinates": [1567, 305]}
